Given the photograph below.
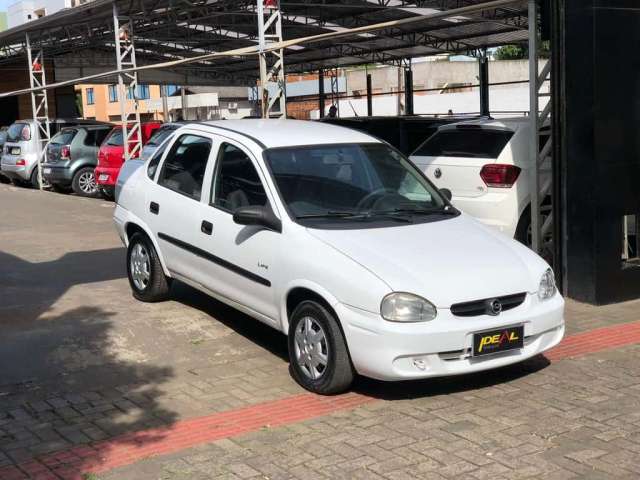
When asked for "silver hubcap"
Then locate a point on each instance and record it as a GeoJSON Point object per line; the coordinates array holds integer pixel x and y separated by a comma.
{"type": "Point", "coordinates": [311, 348]}
{"type": "Point", "coordinates": [140, 266]}
{"type": "Point", "coordinates": [87, 182]}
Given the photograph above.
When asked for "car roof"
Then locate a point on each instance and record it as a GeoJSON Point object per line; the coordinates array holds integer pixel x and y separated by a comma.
{"type": "Point", "coordinates": [274, 133]}
{"type": "Point", "coordinates": [502, 123]}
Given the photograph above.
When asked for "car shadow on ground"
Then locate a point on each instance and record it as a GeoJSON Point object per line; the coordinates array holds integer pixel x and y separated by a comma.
{"type": "Point", "coordinates": [275, 342]}
{"type": "Point", "coordinates": [430, 387]}
{"type": "Point", "coordinates": [65, 383]}
{"type": "Point", "coordinates": [264, 336]}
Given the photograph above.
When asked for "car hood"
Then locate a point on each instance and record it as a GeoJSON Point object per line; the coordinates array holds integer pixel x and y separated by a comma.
{"type": "Point", "coordinates": [447, 262]}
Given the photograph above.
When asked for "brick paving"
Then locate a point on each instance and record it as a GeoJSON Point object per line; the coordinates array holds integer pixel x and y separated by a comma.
{"type": "Point", "coordinates": [89, 364]}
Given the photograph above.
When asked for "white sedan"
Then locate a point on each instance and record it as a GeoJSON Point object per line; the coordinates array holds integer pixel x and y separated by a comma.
{"type": "Point", "coordinates": [337, 240]}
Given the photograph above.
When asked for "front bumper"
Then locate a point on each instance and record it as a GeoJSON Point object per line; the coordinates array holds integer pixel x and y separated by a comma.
{"type": "Point", "coordinates": [107, 176]}
{"type": "Point", "coordinates": [396, 351]}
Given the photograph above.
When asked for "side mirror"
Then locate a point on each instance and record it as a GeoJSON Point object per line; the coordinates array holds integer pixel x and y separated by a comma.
{"type": "Point", "coordinates": [259, 216]}
{"type": "Point", "coordinates": [446, 193]}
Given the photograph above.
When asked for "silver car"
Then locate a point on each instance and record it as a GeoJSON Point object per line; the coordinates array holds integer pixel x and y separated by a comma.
{"type": "Point", "coordinates": [23, 147]}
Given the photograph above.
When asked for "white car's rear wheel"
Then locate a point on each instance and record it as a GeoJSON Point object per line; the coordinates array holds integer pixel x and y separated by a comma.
{"type": "Point", "coordinates": [146, 277]}
{"type": "Point", "coordinates": [319, 360]}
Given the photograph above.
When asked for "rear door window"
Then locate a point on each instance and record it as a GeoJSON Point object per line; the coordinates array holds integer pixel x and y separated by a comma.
{"type": "Point", "coordinates": [465, 142]}
{"type": "Point", "coordinates": [184, 167]}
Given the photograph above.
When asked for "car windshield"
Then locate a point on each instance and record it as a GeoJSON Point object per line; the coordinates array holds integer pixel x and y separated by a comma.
{"type": "Point", "coordinates": [19, 132]}
{"type": "Point", "coordinates": [352, 182]}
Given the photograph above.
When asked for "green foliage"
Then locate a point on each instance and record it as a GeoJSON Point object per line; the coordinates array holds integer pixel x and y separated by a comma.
{"type": "Point", "coordinates": [519, 52]}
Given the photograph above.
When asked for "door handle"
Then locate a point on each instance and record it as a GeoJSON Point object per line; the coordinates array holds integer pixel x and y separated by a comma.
{"type": "Point", "coordinates": [206, 227]}
{"type": "Point", "coordinates": [154, 208]}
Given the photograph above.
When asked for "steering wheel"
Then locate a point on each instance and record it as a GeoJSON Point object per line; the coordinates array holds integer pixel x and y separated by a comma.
{"type": "Point", "coordinates": [374, 199]}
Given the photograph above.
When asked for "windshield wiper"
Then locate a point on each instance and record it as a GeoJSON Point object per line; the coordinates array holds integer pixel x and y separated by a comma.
{"type": "Point", "coordinates": [357, 216]}
{"type": "Point", "coordinates": [447, 210]}
{"type": "Point", "coordinates": [328, 215]}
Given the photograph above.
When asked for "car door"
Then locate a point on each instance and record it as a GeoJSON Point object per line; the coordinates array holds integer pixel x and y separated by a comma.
{"type": "Point", "coordinates": [172, 204]}
{"type": "Point", "coordinates": [243, 259]}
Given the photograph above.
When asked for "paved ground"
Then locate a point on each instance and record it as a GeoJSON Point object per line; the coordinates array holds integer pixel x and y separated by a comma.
{"type": "Point", "coordinates": [82, 363]}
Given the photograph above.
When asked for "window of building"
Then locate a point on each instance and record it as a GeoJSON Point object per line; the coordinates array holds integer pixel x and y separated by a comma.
{"type": "Point", "coordinates": [236, 182]}
{"type": "Point", "coordinates": [90, 98]}
{"type": "Point", "coordinates": [184, 167]}
{"type": "Point", "coordinates": [171, 89]}
{"type": "Point", "coordinates": [113, 93]}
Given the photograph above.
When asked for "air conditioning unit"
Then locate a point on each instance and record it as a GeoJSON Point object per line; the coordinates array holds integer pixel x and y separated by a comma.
{"type": "Point", "coordinates": [232, 106]}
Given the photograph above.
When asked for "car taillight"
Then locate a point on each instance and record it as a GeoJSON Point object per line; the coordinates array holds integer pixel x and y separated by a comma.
{"type": "Point", "coordinates": [499, 176]}
{"type": "Point", "coordinates": [65, 152]}
{"type": "Point", "coordinates": [21, 162]}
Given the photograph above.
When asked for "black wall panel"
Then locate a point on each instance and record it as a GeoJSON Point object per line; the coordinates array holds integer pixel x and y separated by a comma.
{"type": "Point", "coordinates": [599, 152]}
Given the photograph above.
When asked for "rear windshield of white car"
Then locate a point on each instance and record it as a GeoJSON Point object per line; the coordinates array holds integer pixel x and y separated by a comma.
{"type": "Point", "coordinates": [465, 142]}
{"type": "Point", "coordinates": [19, 132]}
{"type": "Point", "coordinates": [64, 137]}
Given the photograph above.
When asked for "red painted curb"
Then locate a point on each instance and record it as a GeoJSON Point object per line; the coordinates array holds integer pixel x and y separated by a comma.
{"type": "Point", "coordinates": [596, 340]}
{"type": "Point", "coordinates": [100, 457]}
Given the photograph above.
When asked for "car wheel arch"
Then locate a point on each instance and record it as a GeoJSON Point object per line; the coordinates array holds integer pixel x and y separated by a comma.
{"type": "Point", "coordinates": [131, 228]}
{"type": "Point", "coordinates": [304, 292]}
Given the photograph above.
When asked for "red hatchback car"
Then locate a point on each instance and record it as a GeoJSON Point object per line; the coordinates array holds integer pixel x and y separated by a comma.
{"type": "Point", "coordinates": [111, 156]}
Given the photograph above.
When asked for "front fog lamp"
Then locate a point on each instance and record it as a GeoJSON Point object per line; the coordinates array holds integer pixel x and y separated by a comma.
{"type": "Point", "coordinates": [547, 288]}
{"type": "Point", "coordinates": [406, 307]}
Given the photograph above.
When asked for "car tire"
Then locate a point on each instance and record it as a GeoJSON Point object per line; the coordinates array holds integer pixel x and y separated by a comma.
{"type": "Point", "coordinates": [144, 270]}
{"type": "Point", "coordinates": [107, 194]}
{"type": "Point", "coordinates": [84, 182]}
{"type": "Point", "coordinates": [34, 180]}
{"type": "Point", "coordinates": [315, 337]}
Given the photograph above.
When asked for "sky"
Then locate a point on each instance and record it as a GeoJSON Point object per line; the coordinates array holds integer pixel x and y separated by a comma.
{"type": "Point", "coordinates": [4, 4]}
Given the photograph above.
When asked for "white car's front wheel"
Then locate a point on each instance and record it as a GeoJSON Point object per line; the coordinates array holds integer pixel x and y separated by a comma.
{"type": "Point", "coordinates": [319, 360]}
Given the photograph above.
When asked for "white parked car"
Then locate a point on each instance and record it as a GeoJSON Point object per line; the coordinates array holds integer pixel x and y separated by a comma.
{"type": "Point", "coordinates": [486, 165]}
{"type": "Point", "coordinates": [335, 239]}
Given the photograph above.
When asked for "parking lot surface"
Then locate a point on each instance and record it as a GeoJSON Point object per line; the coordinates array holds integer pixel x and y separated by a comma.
{"type": "Point", "coordinates": [94, 384]}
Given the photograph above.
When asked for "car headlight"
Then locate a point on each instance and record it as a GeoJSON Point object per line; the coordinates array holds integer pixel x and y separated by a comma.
{"type": "Point", "coordinates": [406, 307]}
{"type": "Point", "coordinates": [547, 288]}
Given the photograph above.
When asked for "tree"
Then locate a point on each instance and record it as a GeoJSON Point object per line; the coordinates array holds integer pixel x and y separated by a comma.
{"type": "Point", "coordinates": [520, 52]}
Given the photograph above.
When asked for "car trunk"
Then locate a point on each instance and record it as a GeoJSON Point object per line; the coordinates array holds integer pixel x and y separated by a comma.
{"type": "Point", "coordinates": [111, 152]}
{"type": "Point", "coordinates": [59, 142]}
{"type": "Point", "coordinates": [453, 158]}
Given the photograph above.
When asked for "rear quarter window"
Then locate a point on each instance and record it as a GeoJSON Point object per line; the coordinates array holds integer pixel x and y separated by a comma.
{"type": "Point", "coordinates": [65, 137]}
{"type": "Point", "coordinates": [465, 142]}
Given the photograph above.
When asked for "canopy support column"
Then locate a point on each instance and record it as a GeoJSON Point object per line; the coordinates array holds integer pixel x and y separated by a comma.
{"type": "Point", "coordinates": [39, 101]}
{"type": "Point", "coordinates": [127, 85]}
{"type": "Point", "coordinates": [540, 144]}
{"type": "Point", "coordinates": [408, 89]}
{"type": "Point", "coordinates": [271, 63]}
{"type": "Point", "coordinates": [321, 96]}
{"type": "Point", "coordinates": [369, 96]}
{"type": "Point", "coordinates": [483, 80]}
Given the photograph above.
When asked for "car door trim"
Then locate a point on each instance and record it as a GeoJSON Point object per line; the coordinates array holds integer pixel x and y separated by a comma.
{"type": "Point", "coordinates": [212, 258]}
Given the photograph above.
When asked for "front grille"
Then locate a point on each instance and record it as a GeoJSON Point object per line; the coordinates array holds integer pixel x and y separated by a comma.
{"type": "Point", "coordinates": [483, 307]}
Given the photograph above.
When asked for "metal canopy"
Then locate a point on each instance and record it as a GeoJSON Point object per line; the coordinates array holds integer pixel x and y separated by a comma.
{"type": "Point", "coordinates": [168, 30]}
